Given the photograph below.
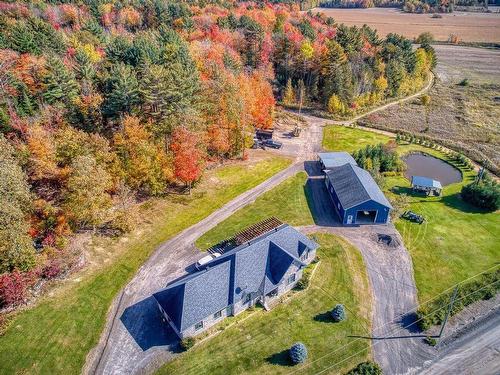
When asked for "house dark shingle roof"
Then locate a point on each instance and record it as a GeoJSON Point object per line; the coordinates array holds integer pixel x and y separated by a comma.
{"type": "Point", "coordinates": [353, 186]}
{"type": "Point", "coordinates": [256, 267]}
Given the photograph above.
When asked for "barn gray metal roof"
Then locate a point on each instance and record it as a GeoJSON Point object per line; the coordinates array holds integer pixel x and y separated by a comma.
{"type": "Point", "coordinates": [254, 267]}
{"type": "Point", "coordinates": [336, 159]}
{"type": "Point", "coordinates": [353, 186]}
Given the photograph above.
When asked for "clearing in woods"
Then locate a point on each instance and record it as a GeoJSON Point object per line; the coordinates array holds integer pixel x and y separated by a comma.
{"type": "Point", "coordinates": [469, 27]}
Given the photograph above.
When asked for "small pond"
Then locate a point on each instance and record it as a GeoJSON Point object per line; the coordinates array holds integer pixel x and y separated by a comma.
{"type": "Point", "coordinates": [420, 164]}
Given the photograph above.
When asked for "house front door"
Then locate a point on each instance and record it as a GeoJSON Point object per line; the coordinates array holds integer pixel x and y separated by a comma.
{"type": "Point", "coordinates": [349, 219]}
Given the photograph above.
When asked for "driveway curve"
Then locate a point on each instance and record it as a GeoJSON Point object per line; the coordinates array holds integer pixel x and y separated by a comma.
{"type": "Point", "coordinates": [135, 341]}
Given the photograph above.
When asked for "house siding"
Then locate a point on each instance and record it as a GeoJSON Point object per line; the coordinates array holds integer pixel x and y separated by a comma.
{"type": "Point", "coordinates": [241, 305]}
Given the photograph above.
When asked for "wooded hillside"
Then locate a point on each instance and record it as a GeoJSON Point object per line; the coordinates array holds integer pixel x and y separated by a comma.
{"type": "Point", "coordinates": [102, 103]}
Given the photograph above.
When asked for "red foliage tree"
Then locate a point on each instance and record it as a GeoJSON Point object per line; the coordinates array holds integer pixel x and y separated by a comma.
{"type": "Point", "coordinates": [188, 158]}
{"type": "Point", "coordinates": [13, 288]}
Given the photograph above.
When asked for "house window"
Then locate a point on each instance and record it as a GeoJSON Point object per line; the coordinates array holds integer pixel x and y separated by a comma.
{"type": "Point", "coordinates": [304, 255]}
{"type": "Point", "coordinates": [248, 297]}
{"type": "Point", "coordinates": [291, 278]}
{"type": "Point", "coordinates": [218, 314]}
{"type": "Point", "coordinates": [198, 326]}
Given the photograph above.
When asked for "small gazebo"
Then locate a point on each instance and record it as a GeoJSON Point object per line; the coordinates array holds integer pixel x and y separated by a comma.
{"type": "Point", "coordinates": [426, 185]}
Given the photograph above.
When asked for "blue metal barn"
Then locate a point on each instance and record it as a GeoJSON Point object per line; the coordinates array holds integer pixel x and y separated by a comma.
{"type": "Point", "coordinates": [356, 196]}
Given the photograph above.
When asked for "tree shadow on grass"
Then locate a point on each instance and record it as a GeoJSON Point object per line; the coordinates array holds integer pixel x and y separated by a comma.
{"type": "Point", "coordinates": [455, 201]}
{"type": "Point", "coordinates": [281, 359]}
{"type": "Point", "coordinates": [325, 317]}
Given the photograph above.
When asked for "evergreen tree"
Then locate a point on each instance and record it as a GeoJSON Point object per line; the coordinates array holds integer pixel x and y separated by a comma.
{"type": "Point", "coordinates": [60, 83]}
{"type": "Point", "coordinates": [123, 90]}
{"type": "Point", "coordinates": [395, 75]}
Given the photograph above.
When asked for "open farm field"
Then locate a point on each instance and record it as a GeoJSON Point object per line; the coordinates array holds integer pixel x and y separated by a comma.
{"type": "Point", "coordinates": [469, 27]}
{"type": "Point", "coordinates": [463, 117]}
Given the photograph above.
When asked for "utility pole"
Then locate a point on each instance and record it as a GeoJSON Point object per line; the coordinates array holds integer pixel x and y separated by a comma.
{"type": "Point", "coordinates": [452, 301]}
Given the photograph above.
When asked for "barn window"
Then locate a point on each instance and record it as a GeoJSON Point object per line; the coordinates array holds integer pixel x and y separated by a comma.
{"type": "Point", "coordinates": [198, 326]}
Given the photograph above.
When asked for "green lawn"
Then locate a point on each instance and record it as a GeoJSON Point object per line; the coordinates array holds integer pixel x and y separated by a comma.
{"type": "Point", "coordinates": [342, 138]}
{"type": "Point", "coordinates": [55, 336]}
{"type": "Point", "coordinates": [259, 343]}
{"type": "Point", "coordinates": [287, 202]}
{"type": "Point", "coordinates": [457, 241]}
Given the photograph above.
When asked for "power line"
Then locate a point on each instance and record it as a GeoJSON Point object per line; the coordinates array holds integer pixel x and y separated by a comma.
{"type": "Point", "coordinates": [400, 315]}
{"type": "Point", "coordinates": [396, 328]}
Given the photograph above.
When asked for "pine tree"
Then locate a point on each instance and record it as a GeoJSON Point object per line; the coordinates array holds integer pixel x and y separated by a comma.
{"type": "Point", "coordinates": [60, 83]}
{"type": "Point", "coordinates": [123, 91]}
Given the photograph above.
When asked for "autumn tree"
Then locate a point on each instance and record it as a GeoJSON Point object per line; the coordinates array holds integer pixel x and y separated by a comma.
{"type": "Point", "coordinates": [188, 158]}
{"type": "Point", "coordinates": [289, 95]}
{"type": "Point", "coordinates": [16, 246]}
{"type": "Point", "coordinates": [146, 166]}
{"type": "Point", "coordinates": [87, 199]}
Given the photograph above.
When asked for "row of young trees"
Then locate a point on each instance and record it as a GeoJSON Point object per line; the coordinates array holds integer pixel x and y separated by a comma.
{"type": "Point", "coordinates": [101, 102]}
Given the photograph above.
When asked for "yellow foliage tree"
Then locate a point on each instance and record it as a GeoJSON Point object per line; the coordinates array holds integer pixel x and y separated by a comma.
{"type": "Point", "coordinates": [335, 105]}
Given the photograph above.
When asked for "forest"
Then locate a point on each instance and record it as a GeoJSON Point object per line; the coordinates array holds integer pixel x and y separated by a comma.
{"type": "Point", "coordinates": [104, 104]}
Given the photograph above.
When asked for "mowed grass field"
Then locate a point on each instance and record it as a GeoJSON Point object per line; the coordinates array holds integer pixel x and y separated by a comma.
{"type": "Point", "coordinates": [258, 344]}
{"type": "Point", "coordinates": [468, 26]}
{"type": "Point", "coordinates": [456, 241]}
{"type": "Point", "coordinates": [55, 336]}
{"type": "Point", "coordinates": [287, 202]}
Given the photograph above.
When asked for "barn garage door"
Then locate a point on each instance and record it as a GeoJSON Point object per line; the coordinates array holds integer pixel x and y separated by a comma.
{"type": "Point", "coordinates": [366, 217]}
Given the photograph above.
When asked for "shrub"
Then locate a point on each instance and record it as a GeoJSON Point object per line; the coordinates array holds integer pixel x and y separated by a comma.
{"type": "Point", "coordinates": [430, 341]}
{"type": "Point", "coordinates": [298, 353]}
{"type": "Point", "coordinates": [366, 368]}
{"type": "Point", "coordinates": [187, 343]}
{"type": "Point", "coordinates": [51, 270]}
{"type": "Point", "coordinates": [13, 288]}
{"type": "Point", "coordinates": [484, 194]}
{"type": "Point", "coordinates": [338, 313]}
{"type": "Point", "coordinates": [464, 82]}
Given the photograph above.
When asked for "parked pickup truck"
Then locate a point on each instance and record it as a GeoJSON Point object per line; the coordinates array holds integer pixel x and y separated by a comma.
{"type": "Point", "coordinates": [206, 259]}
{"type": "Point", "coordinates": [272, 143]}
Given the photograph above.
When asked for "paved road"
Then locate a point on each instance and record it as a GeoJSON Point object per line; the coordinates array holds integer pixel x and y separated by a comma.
{"type": "Point", "coordinates": [475, 352]}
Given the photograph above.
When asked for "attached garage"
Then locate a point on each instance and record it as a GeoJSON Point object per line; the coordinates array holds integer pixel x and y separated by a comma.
{"type": "Point", "coordinates": [356, 196]}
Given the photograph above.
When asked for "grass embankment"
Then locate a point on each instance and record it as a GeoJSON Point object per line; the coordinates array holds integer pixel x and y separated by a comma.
{"type": "Point", "coordinates": [55, 336]}
{"type": "Point", "coordinates": [287, 202]}
{"type": "Point", "coordinates": [259, 343]}
{"type": "Point", "coordinates": [456, 241]}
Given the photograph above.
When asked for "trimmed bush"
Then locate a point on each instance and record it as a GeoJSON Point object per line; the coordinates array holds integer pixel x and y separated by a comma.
{"type": "Point", "coordinates": [338, 313]}
{"type": "Point", "coordinates": [430, 341]}
{"type": "Point", "coordinates": [187, 343]}
{"type": "Point", "coordinates": [366, 368]}
{"type": "Point", "coordinates": [298, 353]}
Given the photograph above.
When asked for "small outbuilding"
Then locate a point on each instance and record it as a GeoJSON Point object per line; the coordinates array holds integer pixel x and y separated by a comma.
{"type": "Point", "coordinates": [356, 196]}
{"type": "Point", "coordinates": [426, 185]}
{"type": "Point", "coordinates": [330, 160]}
